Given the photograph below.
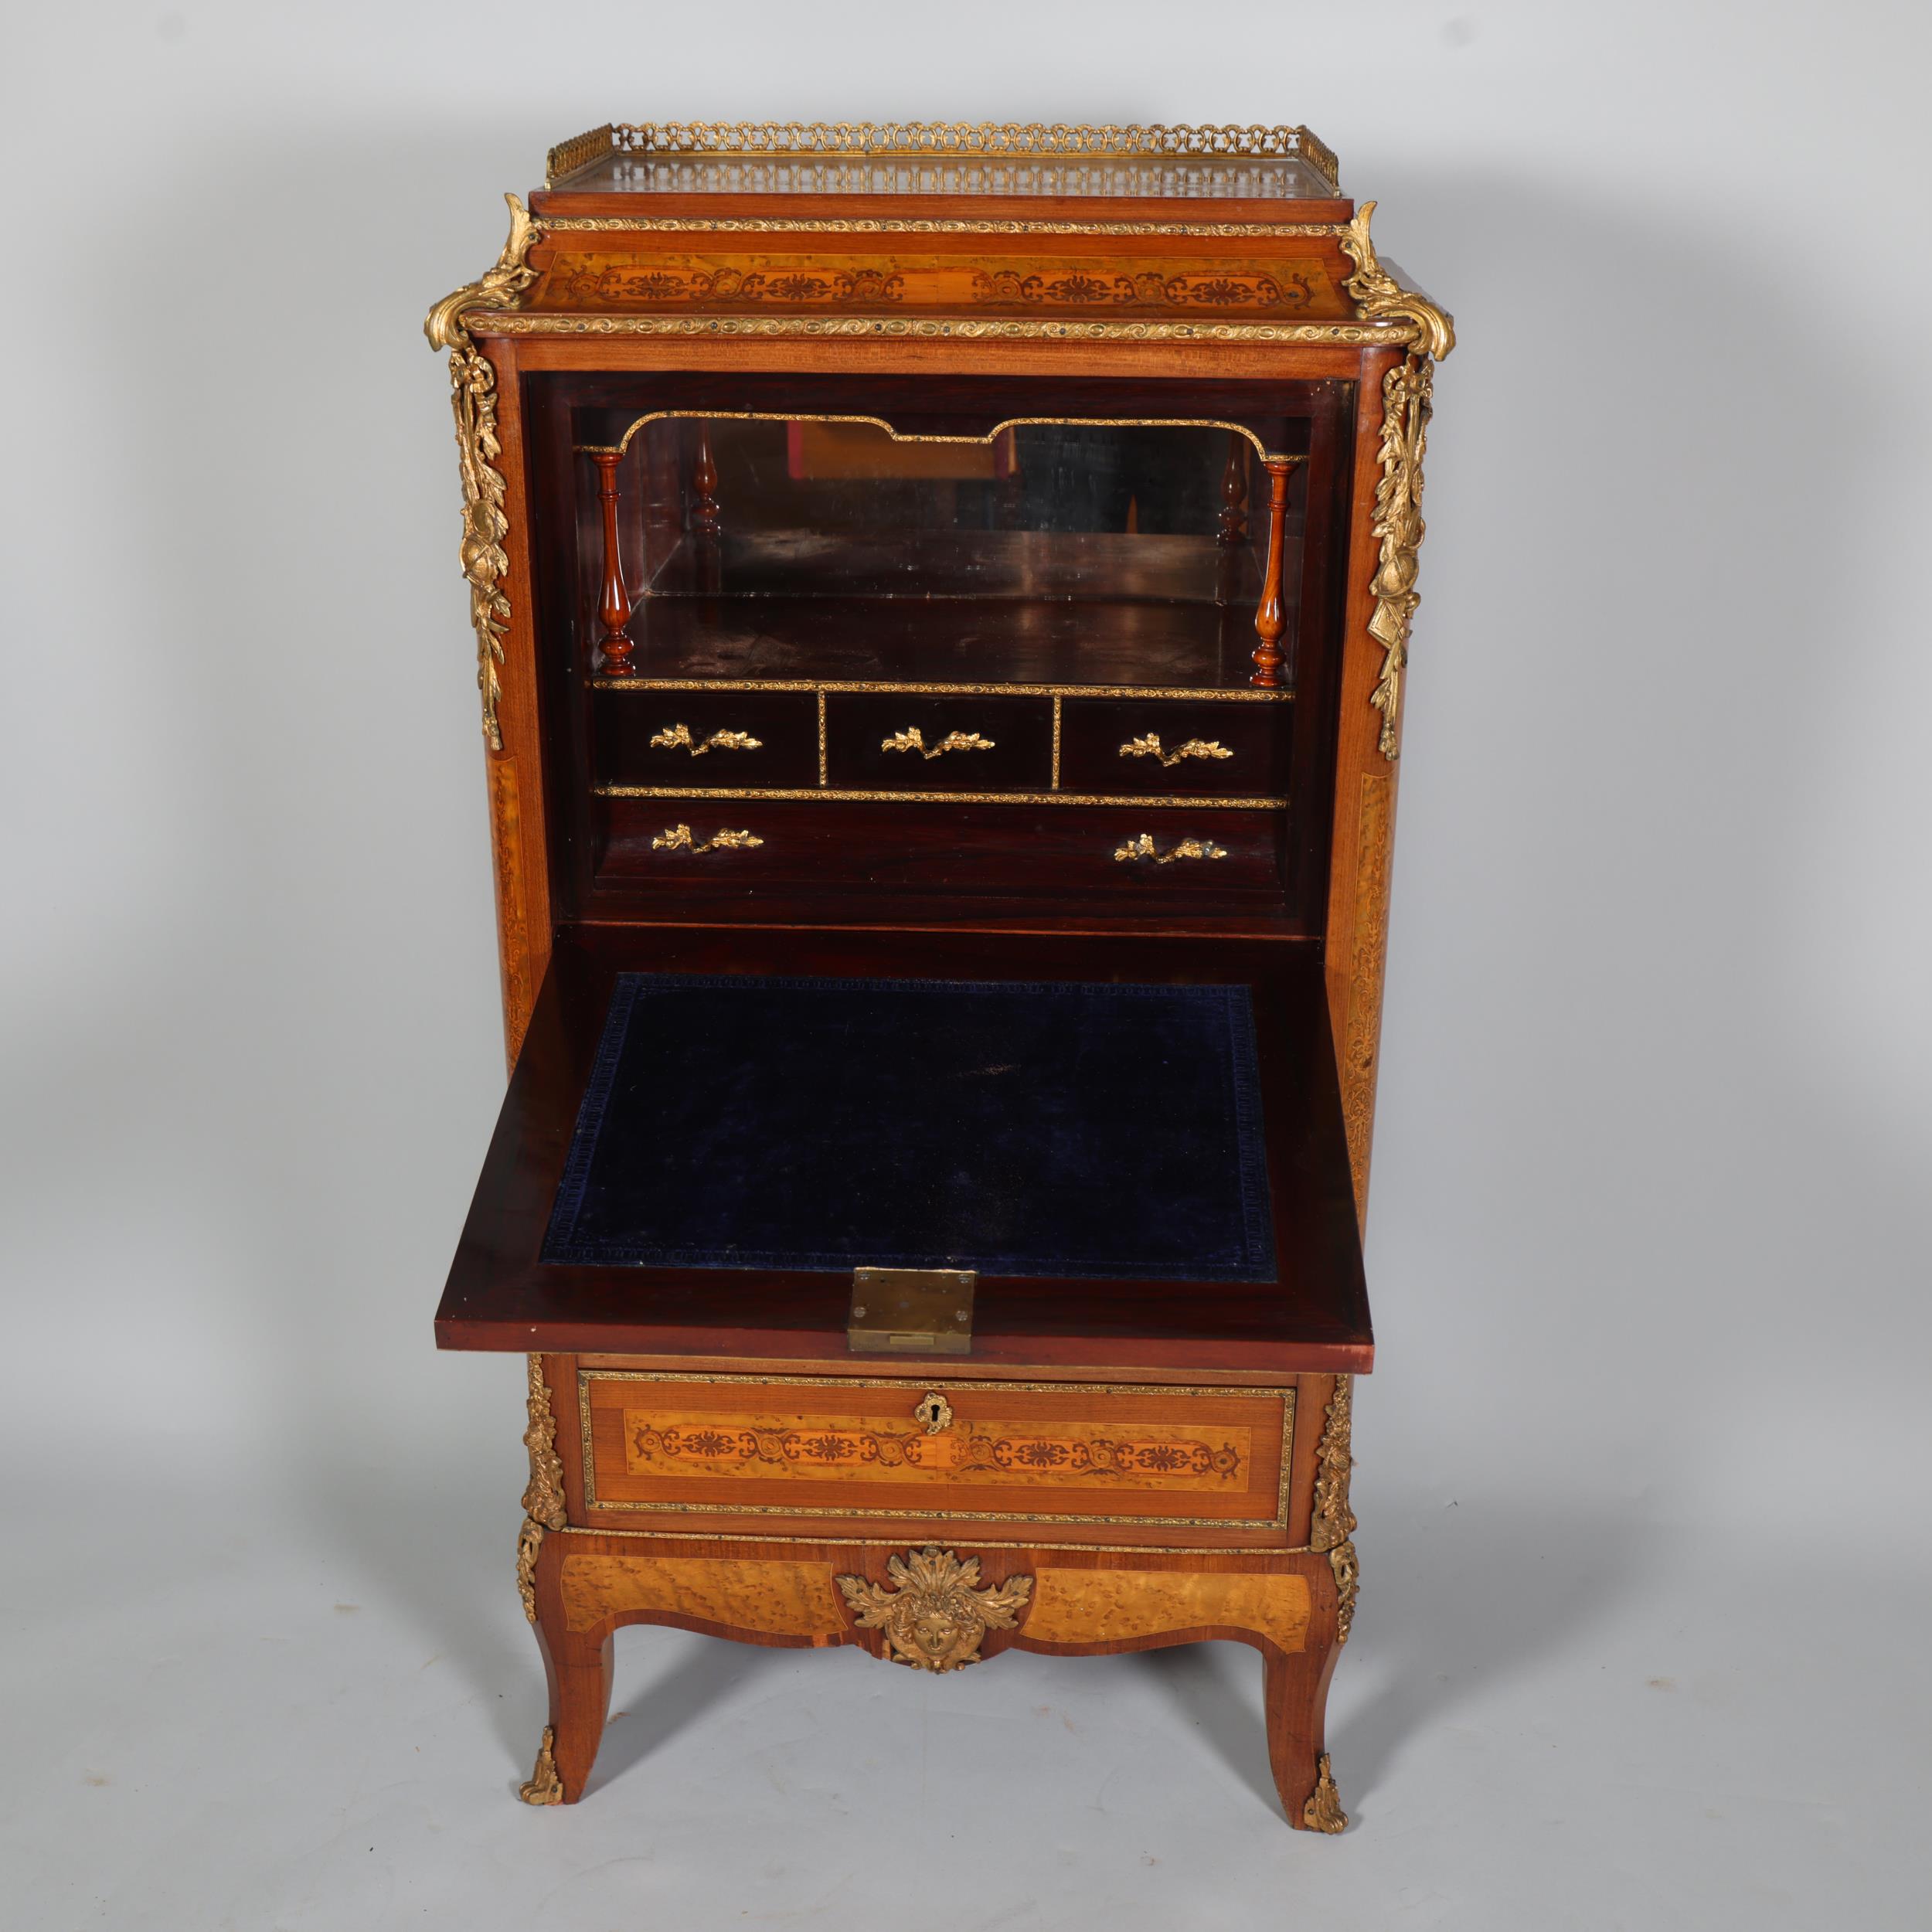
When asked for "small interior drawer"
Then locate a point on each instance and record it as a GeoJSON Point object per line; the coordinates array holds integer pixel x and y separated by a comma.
{"type": "Point", "coordinates": [734, 739]}
{"type": "Point", "coordinates": [663, 1443]}
{"type": "Point", "coordinates": [909, 742]}
{"type": "Point", "coordinates": [1134, 855]}
{"type": "Point", "coordinates": [1174, 748]}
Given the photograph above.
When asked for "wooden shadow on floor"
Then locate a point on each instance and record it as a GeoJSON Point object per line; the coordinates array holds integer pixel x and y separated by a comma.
{"type": "Point", "coordinates": [1448, 1611]}
{"type": "Point", "coordinates": [689, 1676]}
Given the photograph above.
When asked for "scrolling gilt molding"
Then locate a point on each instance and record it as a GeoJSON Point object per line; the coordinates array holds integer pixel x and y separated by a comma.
{"type": "Point", "coordinates": [1332, 1529]}
{"type": "Point", "coordinates": [543, 1505]}
{"type": "Point", "coordinates": [1407, 400]}
{"type": "Point", "coordinates": [1379, 297]}
{"type": "Point", "coordinates": [786, 224]}
{"type": "Point", "coordinates": [935, 1615]}
{"type": "Point", "coordinates": [964, 329]}
{"type": "Point", "coordinates": [473, 399]}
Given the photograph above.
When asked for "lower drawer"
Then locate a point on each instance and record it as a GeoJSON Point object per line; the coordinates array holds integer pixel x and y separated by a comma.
{"type": "Point", "coordinates": [666, 1444]}
{"type": "Point", "coordinates": [1152, 855]}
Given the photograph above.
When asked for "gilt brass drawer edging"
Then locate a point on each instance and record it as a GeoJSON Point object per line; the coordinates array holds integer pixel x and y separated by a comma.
{"type": "Point", "coordinates": [1137, 801]}
{"type": "Point", "coordinates": [779, 225]}
{"type": "Point", "coordinates": [1236, 694]}
{"type": "Point", "coordinates": [623, 443]}
{"type": "Point", "coordinates": [1390, 334]}
{"type": "Point", "coordinates": [1269, 1551]}
{"type": "Point", "coordinates": [586, 1376]}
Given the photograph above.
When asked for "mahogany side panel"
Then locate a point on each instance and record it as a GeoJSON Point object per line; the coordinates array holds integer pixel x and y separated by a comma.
{"type": "Point", "coordinates": [518, 837]}
{"type": "Point", "coordinates": [1365, 794]}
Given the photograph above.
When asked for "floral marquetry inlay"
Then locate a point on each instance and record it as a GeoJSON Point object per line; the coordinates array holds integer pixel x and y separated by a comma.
{"type": "Point", "coordinates": [896, 280]}
{"type": "Point", "coordinates": [865, 1449]}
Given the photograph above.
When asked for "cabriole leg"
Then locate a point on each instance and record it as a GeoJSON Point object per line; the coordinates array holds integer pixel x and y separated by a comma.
{"type": "Point", "coordinates": [578, 1667]}
{"type": "Point", "coordinates": [1295, 1690]}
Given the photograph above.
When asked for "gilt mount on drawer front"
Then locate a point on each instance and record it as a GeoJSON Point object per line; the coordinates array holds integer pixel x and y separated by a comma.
{"type": "Point", "coordinates": [914, 740]}
{"type": "Point", "coordinates": [679, 838]}
{"type": "Point", "coordinates": [1144, 847]}
{"type": "Point", "coordinates": [677, 737]}
{"type": "Point", "coordinates": [1150, 747]}
{"type": "Point", "coordinates": [935, 1616]}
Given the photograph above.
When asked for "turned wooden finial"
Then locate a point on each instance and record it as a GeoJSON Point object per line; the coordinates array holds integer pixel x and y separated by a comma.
{"type": "Point", "coordinates": [704, 487]}
{"type": "Point", "coordinates": [614, 604]}
{"type": "Point", "coordinates": [1269, 620]}
{"type": "Point", "coordinates": [1234, 493]}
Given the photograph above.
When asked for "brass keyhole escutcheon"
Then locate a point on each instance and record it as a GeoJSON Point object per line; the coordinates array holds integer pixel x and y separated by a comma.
{"type": "Point", "coordinates": [935, 1412]}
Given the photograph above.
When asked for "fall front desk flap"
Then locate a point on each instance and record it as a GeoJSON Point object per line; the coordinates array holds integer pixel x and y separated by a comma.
{"type": "Point", "coordinates": [1055, 1130]}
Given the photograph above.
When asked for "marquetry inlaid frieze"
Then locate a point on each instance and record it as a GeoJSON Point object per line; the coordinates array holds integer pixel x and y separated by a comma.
{"type": "Point", "coordinates": [1303, 285]}
{"type": "Point", "coordinates": [1075, 1454]}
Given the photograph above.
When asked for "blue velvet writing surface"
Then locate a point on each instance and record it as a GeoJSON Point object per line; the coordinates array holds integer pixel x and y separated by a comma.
{"type": "Point", "coordinates": [1060, 1130]}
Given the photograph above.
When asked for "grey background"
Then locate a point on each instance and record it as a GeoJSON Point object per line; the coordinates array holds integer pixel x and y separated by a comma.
{"type": "Point", "coordinates": [1643, 1467]}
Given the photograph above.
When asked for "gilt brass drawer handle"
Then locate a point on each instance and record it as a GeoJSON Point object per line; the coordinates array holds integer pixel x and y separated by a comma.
{"type": "Point", "coordinates": [1150, 747]}
{"type": "Point", "coordinates": [679, 838]}
{"type": "Point", "coordinates": [935, 1412]}
{"type": "Point", "coordinates": [1144, 848]}
{"type": "Point", "coordinates": [673, 736]}
{"type": "Point", "coordinates": [953, 741]}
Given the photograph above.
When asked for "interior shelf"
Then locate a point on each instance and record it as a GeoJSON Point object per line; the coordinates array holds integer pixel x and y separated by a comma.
{"type": "Point", "coordinates": [991, 639]}
{"type": "Point", "coordinates": [1121, 567]}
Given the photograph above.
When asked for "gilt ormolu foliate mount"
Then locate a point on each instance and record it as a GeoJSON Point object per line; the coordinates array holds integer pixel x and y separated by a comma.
{"type": "Point", "coordinates": [977, 563]}
{"type": "Point", "coordinates": [934, 1614]}
{"type": "Point", "coordinates": [473, 397]}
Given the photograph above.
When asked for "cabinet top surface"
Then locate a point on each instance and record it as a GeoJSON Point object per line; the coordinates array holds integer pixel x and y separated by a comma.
{"type": "Point", "coordinates": [1287, 174]}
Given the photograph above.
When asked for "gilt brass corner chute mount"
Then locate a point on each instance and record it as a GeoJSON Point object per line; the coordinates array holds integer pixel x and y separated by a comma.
{"type": "Point", "coordinates": [1000, 545]}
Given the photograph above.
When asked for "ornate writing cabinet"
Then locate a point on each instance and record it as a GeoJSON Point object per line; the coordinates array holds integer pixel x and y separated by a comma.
{"type": "Point", "coordinates": [940, 598]}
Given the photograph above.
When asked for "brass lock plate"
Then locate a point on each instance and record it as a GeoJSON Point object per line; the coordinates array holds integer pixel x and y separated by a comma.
{"type": "Point", "coordinates": [911, 1312]}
